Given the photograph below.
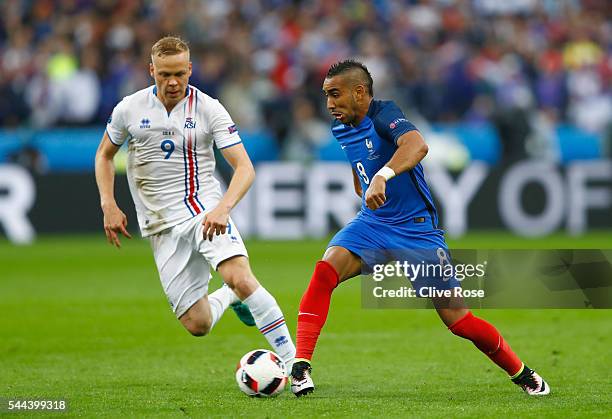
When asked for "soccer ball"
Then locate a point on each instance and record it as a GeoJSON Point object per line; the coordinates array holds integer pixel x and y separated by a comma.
{"type": "Point", "coordinates": [261, 373]}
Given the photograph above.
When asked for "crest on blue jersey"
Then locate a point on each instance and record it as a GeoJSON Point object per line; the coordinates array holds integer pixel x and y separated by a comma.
{"type": "Point", "coordinates": [145, 123]}
{"type": "Point", "coordinates": [371, 151]}
{"type": "Point", "coordinates": [190, 123]}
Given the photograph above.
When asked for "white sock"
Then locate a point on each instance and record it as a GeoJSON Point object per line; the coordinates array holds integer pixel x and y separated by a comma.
{"type": "Point", "coordinates": [271, 323]}
{"type": "Point", "coordinates": [219, 301]}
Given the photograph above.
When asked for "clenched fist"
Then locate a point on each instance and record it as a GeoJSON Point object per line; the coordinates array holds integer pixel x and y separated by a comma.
{"type": "Point", "coordinates": [375, 195]}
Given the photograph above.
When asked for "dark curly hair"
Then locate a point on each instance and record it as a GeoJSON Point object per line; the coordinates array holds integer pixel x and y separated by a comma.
{"type": "Point", "coordinates": [348, 65]}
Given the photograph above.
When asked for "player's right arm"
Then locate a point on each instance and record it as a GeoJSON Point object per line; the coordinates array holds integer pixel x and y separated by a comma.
{"type": "Point", "coordinates": [115, 220]}
{"type": "Point", "coordinates": [391, 124]}
{"type": "Point", "coordinates": [357, 184]}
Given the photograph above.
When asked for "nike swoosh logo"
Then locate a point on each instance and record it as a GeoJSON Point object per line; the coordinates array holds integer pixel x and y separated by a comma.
{"type": "Point", "coordinates": [308, 314]}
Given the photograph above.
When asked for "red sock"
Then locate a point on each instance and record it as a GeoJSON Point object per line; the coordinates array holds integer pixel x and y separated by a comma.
{"type": "Point", "coordinates": [314, 308]}
{"type": "Point", "coordinates": [489, 341]}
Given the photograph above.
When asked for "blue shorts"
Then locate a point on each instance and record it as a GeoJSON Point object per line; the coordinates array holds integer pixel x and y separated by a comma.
{"type": "Point", "coordinates": [413, 242]}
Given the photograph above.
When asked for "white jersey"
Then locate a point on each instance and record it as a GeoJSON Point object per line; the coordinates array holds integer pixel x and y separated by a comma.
{"type": "Point", "coordinates": [170, 155]}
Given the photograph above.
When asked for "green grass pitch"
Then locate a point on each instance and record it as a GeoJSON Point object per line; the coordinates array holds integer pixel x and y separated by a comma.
{"type": "Point", "coordinates": [88, 323]}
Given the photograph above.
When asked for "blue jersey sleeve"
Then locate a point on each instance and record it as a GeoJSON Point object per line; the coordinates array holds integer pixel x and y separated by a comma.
{"type": "Point", "coordinates": [390, 122]}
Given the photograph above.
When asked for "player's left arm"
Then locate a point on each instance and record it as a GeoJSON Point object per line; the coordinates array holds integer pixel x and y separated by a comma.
{"type": "Point", "coordinates": [215, 222]}
{"type": "Point", "coordinates": [411, 149]}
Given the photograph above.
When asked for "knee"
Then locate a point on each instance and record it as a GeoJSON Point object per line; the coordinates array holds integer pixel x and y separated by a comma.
{"type": "Point", "coordinates": [454, 318]}
{"type": "Point", "coordinates": [341, 263]}
{"type": "Point", "coordinates": [198, 327]}
{"type": "Point", "coordinates": [459, 323]}
{"type": "Point", "coordinates": [241, 280]}
{"type": "Point", "coordinates": [325, 276]}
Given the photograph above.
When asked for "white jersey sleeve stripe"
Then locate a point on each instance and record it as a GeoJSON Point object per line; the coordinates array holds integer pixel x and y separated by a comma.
{"type": "Point", "coordinates": [231, 145]}
{"type": "Point", "coordinates": [111, 139]}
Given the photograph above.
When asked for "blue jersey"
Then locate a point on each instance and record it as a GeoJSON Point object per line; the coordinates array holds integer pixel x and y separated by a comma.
{"type": "Point", "coordinates": [369, 146]}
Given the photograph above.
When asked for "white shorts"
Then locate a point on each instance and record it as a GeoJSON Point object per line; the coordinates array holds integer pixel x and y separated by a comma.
{"type": "Point", "coordinates": [183, 258]}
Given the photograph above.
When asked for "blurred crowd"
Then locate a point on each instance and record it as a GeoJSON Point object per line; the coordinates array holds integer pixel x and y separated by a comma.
{"type": "Point", "coordinates": [519, 64]}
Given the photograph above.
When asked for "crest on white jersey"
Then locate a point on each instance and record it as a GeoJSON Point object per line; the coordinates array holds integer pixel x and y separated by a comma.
{"type": "Point", "coordinates": [190, 123]}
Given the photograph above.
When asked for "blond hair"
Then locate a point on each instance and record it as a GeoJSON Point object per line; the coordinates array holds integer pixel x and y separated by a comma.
{"type": "Point", "coordinates": [169, 45]}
